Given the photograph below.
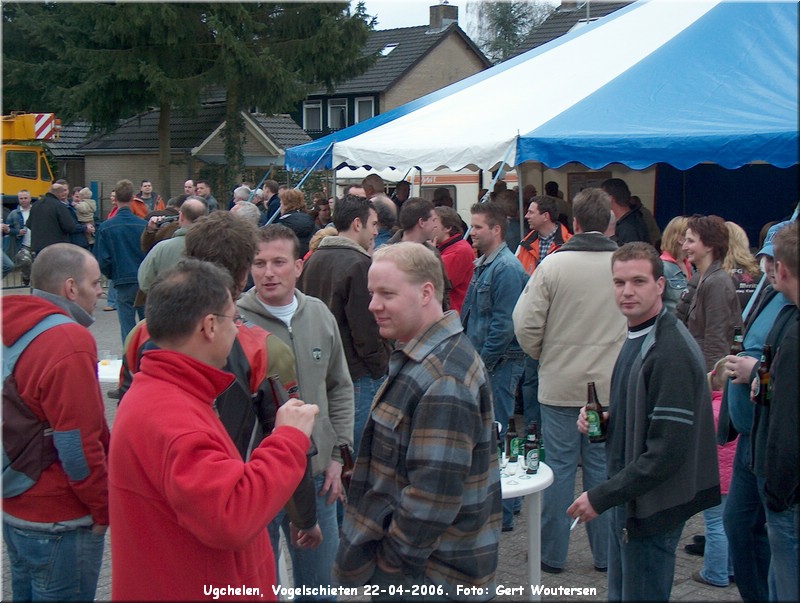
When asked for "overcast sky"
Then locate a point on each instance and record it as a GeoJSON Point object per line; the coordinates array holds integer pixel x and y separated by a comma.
{"type": "Point", "coordinates": [409, 13]}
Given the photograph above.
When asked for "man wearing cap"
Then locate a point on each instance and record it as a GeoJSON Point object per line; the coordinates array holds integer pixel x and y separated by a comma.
{"type": "Point", "coordinates": [744, 517]}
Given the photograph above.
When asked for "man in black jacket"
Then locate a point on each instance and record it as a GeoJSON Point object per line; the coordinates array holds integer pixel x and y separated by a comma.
{"type": "Point", "coordinates": [661, 451]}
{"type": "Point", "coordinates": [336, 273]}
{"type": "Point", "coordinates": [50, 220]}
{"type": "Point", "coordinates": [630, 222]}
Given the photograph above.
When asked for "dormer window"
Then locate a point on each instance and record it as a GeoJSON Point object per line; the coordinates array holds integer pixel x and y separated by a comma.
{"type": "Point", "coordinates": [387, 49]}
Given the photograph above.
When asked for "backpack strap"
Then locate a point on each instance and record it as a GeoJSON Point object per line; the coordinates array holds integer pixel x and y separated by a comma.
{"type": "Point", "coordinates": [12, 353]}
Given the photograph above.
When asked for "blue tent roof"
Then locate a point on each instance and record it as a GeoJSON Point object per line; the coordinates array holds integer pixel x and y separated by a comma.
{"type": "Point", "coordinates": [723, 91]}
{"type": "Point", "coordinates": [659, 81]}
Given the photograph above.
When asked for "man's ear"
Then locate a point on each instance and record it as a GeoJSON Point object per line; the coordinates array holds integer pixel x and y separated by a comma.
{"type": "Point", "coordinates": [428, 293]}
{"type": "Point", "coordinates": [207, 327]}
{"type": "Point", "coordinates": [69, 289]}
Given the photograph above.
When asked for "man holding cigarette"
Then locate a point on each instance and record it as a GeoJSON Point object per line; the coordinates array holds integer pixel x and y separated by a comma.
{"type": "Point", "coordinates": [661, 461]}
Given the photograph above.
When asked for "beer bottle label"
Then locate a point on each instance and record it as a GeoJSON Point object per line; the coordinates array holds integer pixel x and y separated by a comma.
{"type": "Point", "coordinates": [532, 460]}
{"type": "Point", "coordinates": [517, 446]}
{"type": "Point", "coordinates": [593, 417]}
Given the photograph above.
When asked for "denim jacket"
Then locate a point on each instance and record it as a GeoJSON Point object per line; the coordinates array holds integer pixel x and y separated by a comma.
{"type": "Point", "coordinates": [486, 314]}
{"type": "Point", "coordinates": [118, 249]}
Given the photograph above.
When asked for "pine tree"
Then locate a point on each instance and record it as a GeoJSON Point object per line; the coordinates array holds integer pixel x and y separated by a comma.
{"type": "Point", "coordinates": [107, 61]}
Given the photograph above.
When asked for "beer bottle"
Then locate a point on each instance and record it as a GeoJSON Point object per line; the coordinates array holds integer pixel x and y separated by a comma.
{"type": "Point", "coordinates": [738, 338]}
{"type": "Point", "coordinates": [542, 455]}
{"type": "Point", "coordinates": [594, 415]}
{"type": "Point", "coordinates": [347, 465]}
{"type": "Point", "coordinates": [511, 441]}
{"type": "Point", "coordinates": [764, 377]}
{"type": "Point", "coordinates": [532, 449]}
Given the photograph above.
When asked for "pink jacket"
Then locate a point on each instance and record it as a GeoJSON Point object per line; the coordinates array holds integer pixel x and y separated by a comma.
{"type": "Point", "coordinates": [724, 453]}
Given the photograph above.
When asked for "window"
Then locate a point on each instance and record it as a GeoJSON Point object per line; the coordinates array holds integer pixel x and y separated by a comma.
{"type": "Point", "coordinates": [312, 115]}
{"type": "Point", "coordinates": [365, 108]}
{"type": "Point", "coordinates": [387, 49]}
{"type": "Point", "coordinates": [337, 113]}
{"type": "Point", "coordinates": [44, 169]}
{"type": "Point", "coordinates": [22, 164]}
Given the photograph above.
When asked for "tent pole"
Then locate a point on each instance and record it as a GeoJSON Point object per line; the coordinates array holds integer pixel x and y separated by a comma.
{"type": "Point", "coordinates": [486, 197]}
{"type": "Point", "coordinates": [521, 204]}
{"type": "Point", "coordinates": [313, 167]}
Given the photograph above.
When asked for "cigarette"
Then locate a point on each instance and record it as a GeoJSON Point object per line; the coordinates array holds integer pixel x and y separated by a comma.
{"type": "Point", "coordinates": [574, 523]}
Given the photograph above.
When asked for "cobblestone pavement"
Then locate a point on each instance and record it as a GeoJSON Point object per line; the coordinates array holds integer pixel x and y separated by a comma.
{"type": "Point", "coordinates": [512, 570]}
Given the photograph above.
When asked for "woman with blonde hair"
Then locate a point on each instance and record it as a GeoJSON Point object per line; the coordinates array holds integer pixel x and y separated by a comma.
{"type": "Point", "coordinates": [294, 216]}
{"type": "Point", "coordinates": [677, 269]}
{"type": "Point", "coordinates": [741, 264]}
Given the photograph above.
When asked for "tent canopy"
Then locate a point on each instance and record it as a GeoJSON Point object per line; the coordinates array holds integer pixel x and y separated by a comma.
{"type": "Point", "coordinates": [658, 81]}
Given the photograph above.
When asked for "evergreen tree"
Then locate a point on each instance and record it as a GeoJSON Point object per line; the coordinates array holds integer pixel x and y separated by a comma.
{"type": "Point", "coordinates": [107, 61]}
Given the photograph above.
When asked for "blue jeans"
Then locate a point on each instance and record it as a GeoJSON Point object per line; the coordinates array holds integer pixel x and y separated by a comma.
{"type": "Point", "coordinates": [530, 391]}
{"type": "Point", "coordinates": [717, 566]}
{"type": "Point", "coordinates": [126, 311]}
{"type": "Point", "coordinates": [505, 377]}
{"type": "Point", "coordinates": [746, 526]}
{"type": "Point", "coordinates": [310, 567]}
{"type": "Point", "coordinates": [565, 446]}
{"type": "Point", "coordinates": [364, 390]}
{"type": "Point", "coordinates": [8, 264]}
{"type": "Point", "coordinates": [782, 528]}
{"type": "Point", "coordinates": [643, 568]}
{"type": "Point", "coordinates": [112, 295]}
{"type": "Point", "coordinates": [53, 566]}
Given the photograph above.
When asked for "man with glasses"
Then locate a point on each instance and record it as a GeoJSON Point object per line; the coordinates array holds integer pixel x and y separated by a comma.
{"type": "Point", "coordinates": [189, 513]}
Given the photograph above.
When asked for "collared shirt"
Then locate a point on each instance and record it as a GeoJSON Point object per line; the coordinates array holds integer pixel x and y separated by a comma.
{"type": "Point", "coordinates": [544, 243]}
{"type": "Point", "coordinates": [425, 492]}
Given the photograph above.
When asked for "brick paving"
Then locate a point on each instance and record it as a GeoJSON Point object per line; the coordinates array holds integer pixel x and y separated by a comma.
{"type": "Point", "coordinates": [512, 570]}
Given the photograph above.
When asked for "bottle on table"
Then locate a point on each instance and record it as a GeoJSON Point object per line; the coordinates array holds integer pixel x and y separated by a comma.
{"type": "Point", "coordinates": [511, 441]}
{"type": "Point", "coordinates": [594, 415]}
{"type": "Point", "coordinates": [764, 377]}
{"type": "Point", "coordinates": [532, 448]}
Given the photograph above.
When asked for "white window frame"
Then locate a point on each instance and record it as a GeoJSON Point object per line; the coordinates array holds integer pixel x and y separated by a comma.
{"type": "Point", "coordinates": [337, 104]}
{"type": "Point", "coordinates": [360, 99]}
{"type": "Point", "coordinates": [311, 105]}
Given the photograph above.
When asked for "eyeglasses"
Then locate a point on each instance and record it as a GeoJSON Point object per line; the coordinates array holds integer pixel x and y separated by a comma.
{"type": "Point", "coordinates": [238, 319]}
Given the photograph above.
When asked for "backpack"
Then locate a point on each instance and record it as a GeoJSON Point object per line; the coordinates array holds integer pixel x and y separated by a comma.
{"type": "Point", "coordinates": [28, 447]}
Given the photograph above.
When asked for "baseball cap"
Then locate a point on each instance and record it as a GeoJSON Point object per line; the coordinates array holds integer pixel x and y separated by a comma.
{"type": "Point", "coordinates": [769, 248]}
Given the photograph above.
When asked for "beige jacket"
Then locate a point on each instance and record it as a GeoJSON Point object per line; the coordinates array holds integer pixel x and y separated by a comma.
{"type": "Point", "coordinates": [568, 319]}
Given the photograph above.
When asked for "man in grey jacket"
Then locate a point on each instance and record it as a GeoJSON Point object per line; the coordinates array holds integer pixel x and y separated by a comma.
{"type": "Point", "coordinates": [662, 464]}
{"type": "Point", "coordinates": [306, 324]}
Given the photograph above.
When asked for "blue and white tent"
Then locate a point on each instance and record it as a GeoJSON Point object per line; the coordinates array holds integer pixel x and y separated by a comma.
{"type": "Point", "coordinates": [678, 82]}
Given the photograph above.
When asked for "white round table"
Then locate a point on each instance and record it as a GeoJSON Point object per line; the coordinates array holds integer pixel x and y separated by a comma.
{"type": "Point", "coordinates": [530, 487]}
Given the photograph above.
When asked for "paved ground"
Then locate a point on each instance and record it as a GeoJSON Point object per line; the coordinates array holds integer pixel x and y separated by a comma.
{"type": "Point", "coordinates": [512, 571]}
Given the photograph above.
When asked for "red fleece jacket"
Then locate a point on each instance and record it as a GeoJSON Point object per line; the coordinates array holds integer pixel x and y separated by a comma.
{"type": "Point", "coordinates": [186, 513]}
{"type": "Point", "coordinates": [57, 377]}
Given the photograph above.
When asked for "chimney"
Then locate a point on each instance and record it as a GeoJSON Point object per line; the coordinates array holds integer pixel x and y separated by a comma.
{"type": "Point", "coordinates": [442, 15]}
{"type": "Point", "coordinates": [569, 5]}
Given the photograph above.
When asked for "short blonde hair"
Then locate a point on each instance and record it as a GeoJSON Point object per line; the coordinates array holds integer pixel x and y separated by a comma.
{"type": "Point", "coordinates": [292, 199]}
{"type": "Point", "coordinates": [672, 239]}
{"type": "Point", "coordinates": [419, 263]}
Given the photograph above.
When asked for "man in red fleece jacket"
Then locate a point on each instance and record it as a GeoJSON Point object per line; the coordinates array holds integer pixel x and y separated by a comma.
{"type": "Point", "coordinates": [54, 531]}
{"type": "Point", "coordinates": [188, 515]}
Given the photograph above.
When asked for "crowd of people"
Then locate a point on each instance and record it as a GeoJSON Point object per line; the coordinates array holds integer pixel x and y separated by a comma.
{"type": "Point", "coordinates": [334, 370]}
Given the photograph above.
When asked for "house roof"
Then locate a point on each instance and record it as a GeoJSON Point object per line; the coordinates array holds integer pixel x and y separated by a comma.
{"type": "Point", "coordinates": [563, 19]}
{"type": "Point", "coordinates": [70, 138]}
{"type": "Point", "coordinates": [188, 130]}
{"type": "Point", "coordinates": [412, 44]}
